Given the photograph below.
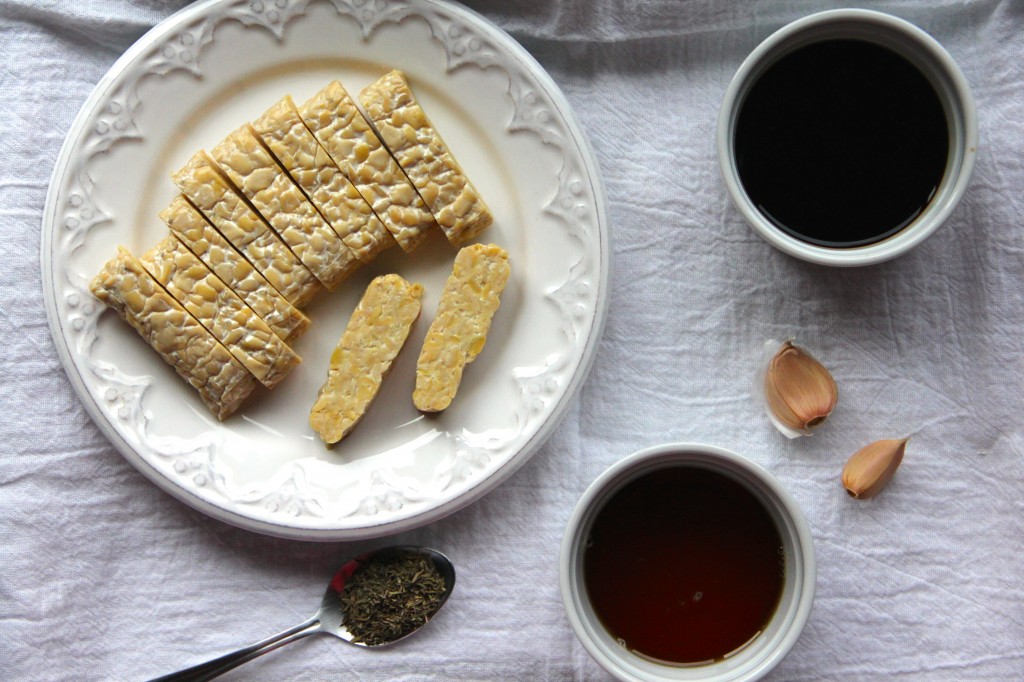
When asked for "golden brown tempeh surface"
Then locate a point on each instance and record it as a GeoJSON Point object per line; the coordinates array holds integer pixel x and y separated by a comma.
{"type": "Point", "coordinates": [311, 167]}
{"type": "Point", "coordinates": [189, 225]}
{"type": "Point", "coordinates": [221, 380]}
{"type": "Point", "coordinates": [375, 333]}
{"type": "Point", "coordinates": [251, 169]}
{"type": "Point", "coordinates": [333, 117]}
{"type": "Point", "coordinates": [202, 182]}
{"type": "Point", "coordinates": [425, 158]}
{"type": "Point", "coordinates": [458, 333]}
{"type": "Point", "coordinates": [220, 311]}
{"type": "Point", "coordinates": [287, 206]}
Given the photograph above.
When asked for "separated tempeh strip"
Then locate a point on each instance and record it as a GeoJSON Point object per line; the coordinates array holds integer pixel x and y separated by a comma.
{"type": "Point", "coordinates": [340, 127]}
{"type": "Point", "coordinates": [124, 285]}
{"type": "Point", "coordinates": [459, 330]}
{"type": "Point", "coordinates": [252, 169]}
{"type": "Point", "coordinates": [375, 333]}
{"type": "Point", "coordinates": [423, 155]}
{"type": "Point", "coordinates": [220, 311]}
{"type": "Point", "coordinates": [201, 181]}
{"type": "Point", "coordinates": [189, 225]}
{"type": "Point", "coordinates": [339, 202]}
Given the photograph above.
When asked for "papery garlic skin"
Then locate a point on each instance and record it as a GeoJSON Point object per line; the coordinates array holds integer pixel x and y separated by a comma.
{"type": "Point", "coordinates": [872, 467]}
{"type": "Point", "coordinates": [799, 392]}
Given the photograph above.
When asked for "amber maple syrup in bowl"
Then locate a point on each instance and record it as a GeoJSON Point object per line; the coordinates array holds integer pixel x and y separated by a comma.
{"type": "Point", "coordinates": [687, 562]}
{"type": "Point", "coordinates": [684, 565]}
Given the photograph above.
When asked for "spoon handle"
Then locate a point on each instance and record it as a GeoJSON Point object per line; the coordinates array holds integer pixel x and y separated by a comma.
{"type": "Point", "coordinates": [219, 666]}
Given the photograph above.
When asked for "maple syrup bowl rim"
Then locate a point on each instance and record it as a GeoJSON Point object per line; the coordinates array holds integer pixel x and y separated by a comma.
{"type": "Point", "coordinates": [924, 53]}
{"type": "Point", "coordinates": [764, 651]}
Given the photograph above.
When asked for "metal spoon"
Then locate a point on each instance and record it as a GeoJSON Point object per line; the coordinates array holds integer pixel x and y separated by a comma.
{"type": "Point", "coordinates": [328, 619]}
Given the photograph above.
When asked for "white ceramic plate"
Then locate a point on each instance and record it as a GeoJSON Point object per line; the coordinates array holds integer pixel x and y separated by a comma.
{"type": "Point", "coordinates": [196, 77]}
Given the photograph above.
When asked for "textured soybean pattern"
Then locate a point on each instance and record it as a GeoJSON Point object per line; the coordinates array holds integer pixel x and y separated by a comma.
{"type": "Point", "coordinates": [459, 330]}
{"type": "Point", "coordinates": [282, 130]}
{"type": "Point", "coordinates": [344, 133]}
{"type": "Point", "coordinates": [220, 311]}
{"type": "Point", "coordinates": [203, 184]}
{"type": "Point", "coordinates": [375, 333]}
{"type": "Point", "coordinates": [425, 158]}
{"type": "Point", "coordinates": [282, 204]}
{"type": "Point", "coordinates": [233, 269]}
{"type": "Point", "coordinates": [124, 285]}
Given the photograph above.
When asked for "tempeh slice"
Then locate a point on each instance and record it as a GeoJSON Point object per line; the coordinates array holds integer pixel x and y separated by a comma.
{"type": "Point", "coordinates": [459, 331]}
{"type": "Point", "coordinates": [375, 333]}
{"type": "Point", "coordinates": [425, 158]}
{"type": "Point", "coordinates": [189, 225]}
{"type": "Point", "coordinates": [124, 285]}
{"type": "Point", "coordinates": [252, 169]}
{"type": "Point", "coordinates": [339, 202]}
{"type": "Point", "coordinates": [201, 181]}
{"type": "Point", "coordinates": [220, 310]}
{"type": "Point", "coordinates": [338, 124]}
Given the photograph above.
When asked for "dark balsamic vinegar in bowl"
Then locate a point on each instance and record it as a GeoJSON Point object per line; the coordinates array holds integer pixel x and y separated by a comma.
{"type": "Point", "coordinates": [841, 143]}
{"type": "Point", "coordinates": [684, 565]}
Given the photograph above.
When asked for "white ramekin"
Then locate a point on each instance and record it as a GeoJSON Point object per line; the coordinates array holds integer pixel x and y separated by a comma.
{"type": "Point", "coordinates": [765, 651]}
{"type": "Point", "coordinates": [913, 44]}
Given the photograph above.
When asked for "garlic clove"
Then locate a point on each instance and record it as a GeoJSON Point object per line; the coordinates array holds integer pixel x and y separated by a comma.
{"type": "Point", "coordinates": [799, 391]}
{"type": "Point", "coordinates": [872, 467]}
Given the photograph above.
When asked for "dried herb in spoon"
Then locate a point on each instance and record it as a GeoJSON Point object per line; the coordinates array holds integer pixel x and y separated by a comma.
{"type": "Point", "coordinates": [390, 596]}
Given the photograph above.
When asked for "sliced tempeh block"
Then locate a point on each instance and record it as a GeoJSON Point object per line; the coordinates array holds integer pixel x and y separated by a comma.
{"type": "Point", "coordinates": [189, 225]}
{"type": "Point", "coordinates": [375, 333]}
{"type": "Point", "coordinates": [124, 285]}
{"type": "Point", "coordinates": [201, 181]}
{"type": "Point", "coordinates": [339, 202]}
{"type": "Point", "coordinates": [459, 331]}
{"type": "Point", "coordinates": [425, 158]}
{"type": "Point", "coordinates": [340, 127]}
{"type": "Point", "coordinates": [220, 310]}
{"type": "Point", "coordinates": [252, 169]}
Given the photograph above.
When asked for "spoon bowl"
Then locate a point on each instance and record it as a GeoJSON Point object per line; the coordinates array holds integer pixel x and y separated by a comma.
{"type": "Point", "coordinates": [330, 618]}
{"type": "Point", "coordinates": [332, 615]}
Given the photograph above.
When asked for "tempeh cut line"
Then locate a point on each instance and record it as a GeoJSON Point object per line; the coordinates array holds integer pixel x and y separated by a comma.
{"type": "Point", "coordinates": [195, 232]}
{"type": "Point", "coordinates": [253, 171]}
{"type": "Point", "coordinates": [281, 129]}
{"type": "Point", "coordinates": [222, 381]}
{"type": "Point", "coordinates": [209, 190]}
{"type": "Point", "coordinates": [425, 158]}
{"type": "Point", "coordinates": [333, 117]}
{"type": "Point", "coordinates": [220, 311]}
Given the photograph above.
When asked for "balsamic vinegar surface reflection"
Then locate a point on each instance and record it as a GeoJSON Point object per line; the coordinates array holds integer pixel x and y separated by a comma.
{"type": "Point", "coordinates": [841, 143]}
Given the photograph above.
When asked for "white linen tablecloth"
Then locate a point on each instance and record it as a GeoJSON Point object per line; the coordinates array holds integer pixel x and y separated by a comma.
{"type": "Point", "coordinates": [105, 577]}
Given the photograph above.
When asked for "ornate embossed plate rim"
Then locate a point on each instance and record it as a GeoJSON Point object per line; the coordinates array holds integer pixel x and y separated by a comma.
{"type": "Point", "coordinates": [576, 144]}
